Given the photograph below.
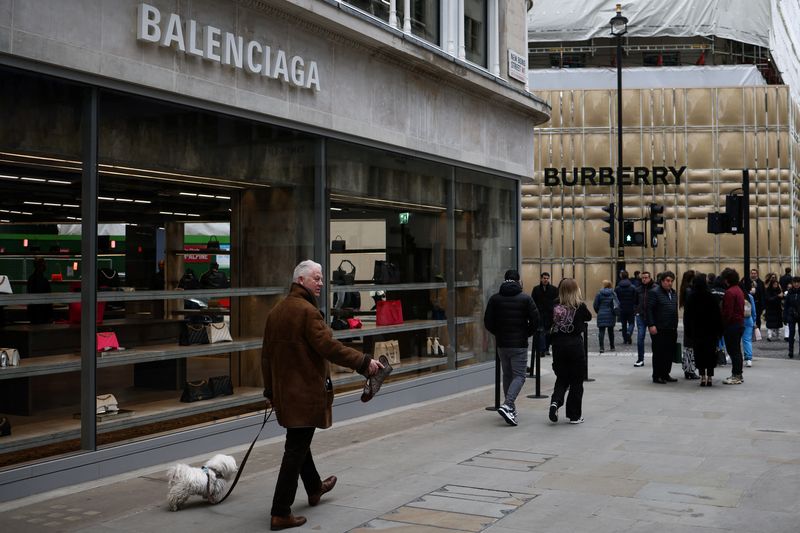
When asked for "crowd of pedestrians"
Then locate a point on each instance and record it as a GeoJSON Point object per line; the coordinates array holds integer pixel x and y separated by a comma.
{"type": "Point", "coordinates": [722, 316]}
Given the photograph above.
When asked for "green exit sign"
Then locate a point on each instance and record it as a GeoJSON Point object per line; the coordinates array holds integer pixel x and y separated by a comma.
{"type": "Point", "coordinates": [404, 218]}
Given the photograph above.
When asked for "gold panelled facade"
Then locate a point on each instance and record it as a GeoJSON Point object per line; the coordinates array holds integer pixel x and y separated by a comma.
{"type": "Point", "coordinates": [714, 132]}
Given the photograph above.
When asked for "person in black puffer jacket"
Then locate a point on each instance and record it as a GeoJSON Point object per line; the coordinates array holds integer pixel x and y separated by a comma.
{"type": "Point", "coordinates": [512, 317]}
{"type": "Point", "coordinates": [662, 321]}
{"type": "Point", "coordinates": [626, 294]}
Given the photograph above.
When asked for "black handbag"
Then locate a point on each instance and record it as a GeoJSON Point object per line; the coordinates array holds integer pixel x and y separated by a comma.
{"type": "Point", "coordinates": [221, 386]}
{"type": "Point", "coordinates": [5, 427]}
{"type": "Point", "coordinates": [189, 281]}
{"type": "Point", "coordinates": [213, 243]}
{"type": "Point", "coordinates": [386, 272]}
{"type": "Point", "coordinates": [194, 391]}
{"type": "Point", "coordinates": [192, 333]}
{"type": "Point", "coordinates": [338, 324]}
{"type": "Point", "coordinates": [338, 245]}
{"type": "Point", "coordinates": [342, 276]}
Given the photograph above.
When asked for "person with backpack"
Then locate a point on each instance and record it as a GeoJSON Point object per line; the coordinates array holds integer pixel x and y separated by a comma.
{"type": "Point", "coordinates": [606, 306]}
{"type": "Point", "coordinates": [626, 295]}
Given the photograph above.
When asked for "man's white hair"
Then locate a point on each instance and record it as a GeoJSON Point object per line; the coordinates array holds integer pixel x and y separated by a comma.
{"type": "Point", "coordinates": [304, 269]}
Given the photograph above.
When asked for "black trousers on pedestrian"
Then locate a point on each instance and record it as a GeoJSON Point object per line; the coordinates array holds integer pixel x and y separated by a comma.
{"type": "Point", "coordinates": [570, 369]}
{"type": "Point", "coordinates": [297, 462]}
{"type": "Point", "coordinates": [733, 345]}
{"type": "Point", "coordinates": [664, 346]}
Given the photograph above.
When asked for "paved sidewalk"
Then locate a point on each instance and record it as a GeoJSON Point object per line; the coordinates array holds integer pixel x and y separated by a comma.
{"type": "Point", "coordinates": [666, 458]}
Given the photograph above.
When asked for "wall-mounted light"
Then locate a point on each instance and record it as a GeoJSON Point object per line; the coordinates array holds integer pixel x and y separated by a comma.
{"type": "Point", "coordinates": [75, 266]}
{"type": "Point", "coordinates": [24, 243]}
{"type": "Point", "coordinates": [113, 244]}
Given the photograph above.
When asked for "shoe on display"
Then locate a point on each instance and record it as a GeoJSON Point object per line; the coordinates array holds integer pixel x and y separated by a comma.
{"type": "Point", "coordinates": [638, 363]}
{"type": "Point", "coordinates": [748, 363]}
{"type": "Point", "coordinates": [553, 412]}
{"type": "Point", "coordinates": [577, 421]}
{"type": "Point", "coordinates": [508, 415]}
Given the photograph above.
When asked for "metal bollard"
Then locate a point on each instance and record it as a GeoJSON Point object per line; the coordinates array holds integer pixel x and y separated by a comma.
{"type": "Point", "coordinates": [496, 405]}
{"type": "Point", "coordinates": [586, 352]}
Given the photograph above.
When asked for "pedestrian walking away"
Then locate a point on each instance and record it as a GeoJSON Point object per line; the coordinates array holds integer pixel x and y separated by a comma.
{"type": "Point", "coordinates": [662, 322]}
{"type": "Point", "coordinates": [702, 322]}
{"type": "Point", "coordinates": [297, 381]}
{"type": "Point", "coordinates": [544, 296]}
{"type": "Point", "coordinates": [512, 317]}
{"type": "Point", "coordinates": [569, 316]}
{"type": "Point", "coordinates": [606, 306]}
{"type": "Point", "coordinates": [626, 295]}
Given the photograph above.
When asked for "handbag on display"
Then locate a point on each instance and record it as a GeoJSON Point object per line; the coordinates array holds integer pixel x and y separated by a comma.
{"type": "Point", "coordinates": [678, 355]}
{"type": "Point", "coordinates": [106, 403]}
{"type": "Point", "coordinates": [5, 285]}
{"type": "Point", "coordinates": [338, 245]}
{"type": "Point", "coordinates": [354, 323]}
{"type": "Point", "coordinates": [213, 243]}
{"type": "Point", "coordinates": [386, 272]}
{"type": "Point", "coordinates": [9, 357]}
{"type": "Point", "coordinates": [189, 281]}
{"type": "Point", "coordinates": [106, 341]}
{"type": "Point", "coordinates": [5, 427]}
{"type": "Point", "coordinates": [192, 334]}
{"type": "Point", "coordinates": [221, 386]}
{"type": "Point", "coordinates": [390, 349]}
{"type": "Point", "coordinates": [194, 391]}
{"type": "Point", "coordinates": [339, 324]}
{"type": "Point", "coordinates": [218, 332]}
{"type": "Point", "coordinates": [342, 276]}
{"type": "Point", "coordinates": [388, 313]}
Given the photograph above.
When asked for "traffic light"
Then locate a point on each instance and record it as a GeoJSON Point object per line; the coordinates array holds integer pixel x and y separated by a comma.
{"type": "Point", "coordinates": [632, 237]}
{"type": "Point", "coordinates": [734, 210]}
{"type": "Point", "coordinates": [656, 221]}
{"type": "Point", "coordinates": [612, 224]}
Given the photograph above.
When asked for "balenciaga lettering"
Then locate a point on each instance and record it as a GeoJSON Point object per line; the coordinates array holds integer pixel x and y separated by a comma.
{"type": "Point", "coordinates": [582, 176]}
{"type": "Point", "coordinates": [226, 48]}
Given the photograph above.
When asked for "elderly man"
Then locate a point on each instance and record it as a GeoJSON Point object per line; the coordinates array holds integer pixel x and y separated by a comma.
{"type": "Point", "coordinates": [298, 344]}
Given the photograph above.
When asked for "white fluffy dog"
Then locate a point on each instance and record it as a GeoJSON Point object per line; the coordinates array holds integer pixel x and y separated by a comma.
{"type": "Point", "coordinates": [207, 481]}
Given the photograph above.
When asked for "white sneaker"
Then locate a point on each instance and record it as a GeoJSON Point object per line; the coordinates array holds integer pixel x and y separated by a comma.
{"type": "Point", "coordinates": [577, 421]}
{"type": "Point", "coordinates": [508, 415]}
{"type": "Point", "coordinates": [748, 363]}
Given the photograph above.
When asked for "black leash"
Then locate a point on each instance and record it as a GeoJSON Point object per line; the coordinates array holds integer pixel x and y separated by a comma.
{"type": "Point", "coordinates": [267, 415]}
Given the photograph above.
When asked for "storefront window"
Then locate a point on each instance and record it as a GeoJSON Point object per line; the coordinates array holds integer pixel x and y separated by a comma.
{"type": "Point", "coordinates": [40, 185]}
{"type": "Point", "coordinates": [475, 28]}
{"type": "Point", "coordinates": [424, 15]}
{"type": "Point", "coordinates": [485, 247]}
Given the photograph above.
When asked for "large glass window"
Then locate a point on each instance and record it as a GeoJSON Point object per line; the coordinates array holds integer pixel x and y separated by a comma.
{"type": "Point", "coordinates": [424, 19]}
{"type": "Point", "coordinates": [475, 31]}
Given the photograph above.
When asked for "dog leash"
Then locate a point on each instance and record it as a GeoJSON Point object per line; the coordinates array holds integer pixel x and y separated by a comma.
{"type": "Point", "coordinates": [267, 415]}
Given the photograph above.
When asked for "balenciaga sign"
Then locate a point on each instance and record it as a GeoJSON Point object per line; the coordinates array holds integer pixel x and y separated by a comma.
{"type": "Point", "coordinates": [212, 44]}
{"type": "Point", "coordinates": [581, 176]}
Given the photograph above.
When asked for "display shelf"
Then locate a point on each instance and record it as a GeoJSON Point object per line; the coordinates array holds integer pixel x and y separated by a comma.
{"type": "Point", "coordinates": [461, 284]}
{"type": "Point", "coordinates": [53, 255]}
{"type": "Point", "coordinates": [133, 296]}
{"type": "Point", "coordinates": [361, 251]}
{"type": "Point", "coordinates": [387, 287]}
{"type": "Point", "coordinates": [213, 251]}
{"type": "Point", "coordinates": [368, 329]}
{"type": "Point", "coordinates": [54, 364]}
{"type": "Point", "coordinates": [466, 320]}
{"type": "Point", "coordinates": [144, 412]}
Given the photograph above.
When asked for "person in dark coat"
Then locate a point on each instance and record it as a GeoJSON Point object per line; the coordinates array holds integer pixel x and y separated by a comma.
{"type": "Point", "coordinates": [786, 279]}
{"type": "Point", "coordinates": [662, 322]}
{"type": "Point", "coordinates": [544, 296]}
{"type": "Point", "coordinates": [791, 311]}
{"type": "Point", "coordinates": [773, 312]}
{"type": "Point", "coordinates": [569, 316]}
{"type": "Point", "coordinates": [626, 295]}
{"type": "Point", "coordinates": [214, 278]}
{"type": "Point", "coordinates": [606, 306]}
{"type": "Point", "coordinates": [757, 289]}
{"type": "Point", "coordinates": [512, 317]}
{"type": "Point", "coordinates": [298, 345]}
{"type": "Point", "coordinates": [702, 322]}
{"type": "Point", "coordinates": [646, 283]}
{"type": "Point", "coordinates": [687, 358]}
{"type": "Point", "coordinates": [39, 284]}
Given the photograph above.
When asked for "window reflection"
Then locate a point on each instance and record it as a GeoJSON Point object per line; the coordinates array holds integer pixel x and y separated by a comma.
{"type": "Point", "coordinates": [475, 27]}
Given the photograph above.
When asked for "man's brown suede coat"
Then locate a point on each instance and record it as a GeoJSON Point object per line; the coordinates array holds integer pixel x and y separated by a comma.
{"type": "Point", "coordinates": [294, 361]}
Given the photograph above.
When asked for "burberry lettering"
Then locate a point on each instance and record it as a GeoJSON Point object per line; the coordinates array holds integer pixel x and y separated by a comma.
{"type": "Point", "coordinates": [583, 176]}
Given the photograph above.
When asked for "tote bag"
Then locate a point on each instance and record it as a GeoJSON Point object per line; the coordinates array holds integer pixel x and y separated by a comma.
{"type": "Point", "coordinates": [388, 313]}
{"type": "Point", "coordinates": [5, 285]}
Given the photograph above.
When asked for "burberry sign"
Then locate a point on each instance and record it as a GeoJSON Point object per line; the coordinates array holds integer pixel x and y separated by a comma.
{"type": "Point", "coordinates": [582, 176]}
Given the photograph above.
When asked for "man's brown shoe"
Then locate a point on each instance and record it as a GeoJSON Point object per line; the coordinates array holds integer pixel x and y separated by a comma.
{"type": "Point", "coordinates": [327, 486]}
{"type": "Point", "coordinates": [277, 523]}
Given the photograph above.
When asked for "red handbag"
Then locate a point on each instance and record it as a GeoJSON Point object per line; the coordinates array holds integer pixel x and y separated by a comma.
{"type": "Point", "coordinates": [107, 341]}
{"type": "Point", "coordinates": [354, 323]}
{"type": "Point", "coordinates": [389, 313]}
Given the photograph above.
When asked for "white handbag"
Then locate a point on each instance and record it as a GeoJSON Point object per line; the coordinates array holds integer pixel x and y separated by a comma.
{"type": "Point", "coordinates": [107, 403]}
{"type": "Point", "coordinates": [5, 285]}
{"type": "Point", "coordinates": [9, 357]}
{"type": "Point", "coordinates": [218, 332]}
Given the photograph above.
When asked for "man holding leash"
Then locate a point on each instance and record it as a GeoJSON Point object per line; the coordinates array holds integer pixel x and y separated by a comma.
{"type": "Point", "coordinates": [298, 345]}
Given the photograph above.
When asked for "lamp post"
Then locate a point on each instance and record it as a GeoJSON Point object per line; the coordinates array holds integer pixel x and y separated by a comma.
{"type": "Point", "coordinates": [619, 27]}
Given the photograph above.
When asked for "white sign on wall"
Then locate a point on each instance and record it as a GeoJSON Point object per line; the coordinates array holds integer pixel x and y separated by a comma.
{"type": "Point", "coordinates": [212, 44]}
{"type": "Point", "coordinates": [517, 66]}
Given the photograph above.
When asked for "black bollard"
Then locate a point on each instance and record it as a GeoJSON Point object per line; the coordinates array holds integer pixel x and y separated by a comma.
{"type": "Point", "coordinates": [496, 405]}
{"type": "Point", "coordinates": [538, 360]}
{"type": "Point", "coordinates": [586, 352]}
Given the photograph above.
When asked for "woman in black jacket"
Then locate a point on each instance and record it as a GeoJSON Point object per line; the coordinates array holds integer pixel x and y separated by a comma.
{"type": "Point", "coordinates": [702, 322]}
{"type": "Point", "coordinates": [774, 309]}
{"type": "Point", "coordinates": [569, 316]}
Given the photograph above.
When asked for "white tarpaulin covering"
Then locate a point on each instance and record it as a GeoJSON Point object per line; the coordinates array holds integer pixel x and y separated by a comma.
{"type": "Point", "coordinates": [784, 42]}
{"type": "Point", "coordinates": [747, 21]}
{"type": "Point", "coordinates": [645, 77]}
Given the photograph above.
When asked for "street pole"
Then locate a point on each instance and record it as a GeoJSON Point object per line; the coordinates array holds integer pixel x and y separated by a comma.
{"type": "Point", "coordinates": [619, 27]}
{"type": "Point", "coordinates": [746, 221]}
